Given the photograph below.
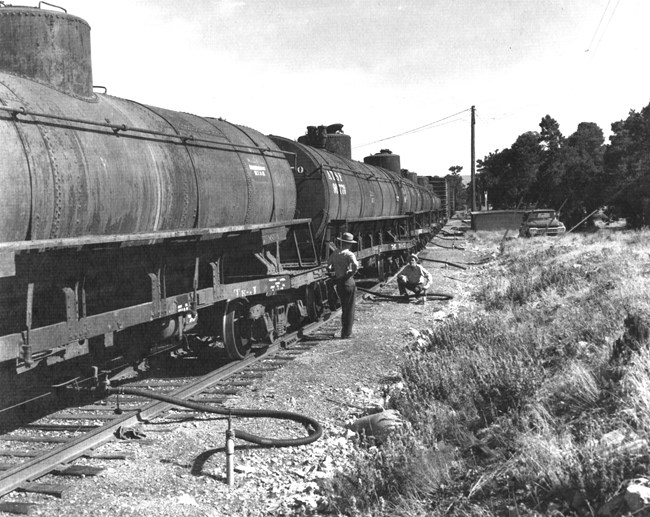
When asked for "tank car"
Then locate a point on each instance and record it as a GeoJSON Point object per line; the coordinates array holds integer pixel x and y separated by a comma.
{"type": "Point", "coordinates": [371, 199]}
{"type": "Point", "coordinates": [120, 221]}
{"type": "Point", "coordinates": [125, 227]}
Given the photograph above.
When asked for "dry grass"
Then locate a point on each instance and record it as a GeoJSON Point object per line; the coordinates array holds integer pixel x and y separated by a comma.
{"type": "Point", "coordinates": [527, 396]}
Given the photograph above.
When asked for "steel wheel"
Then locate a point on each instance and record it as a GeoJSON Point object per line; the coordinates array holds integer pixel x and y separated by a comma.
{"type": "Point", "coordinates": [381, 269]}
{"type": "Point", "coordinates": [236, 330]}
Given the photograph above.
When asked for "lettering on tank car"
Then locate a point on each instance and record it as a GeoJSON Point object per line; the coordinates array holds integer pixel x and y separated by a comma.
{"type": "Point", "coordinates": [245, 292]}
{"type": "Point", "coordinates": [257, 170]}
{"type": "Point", "coordinates": [338, 186]}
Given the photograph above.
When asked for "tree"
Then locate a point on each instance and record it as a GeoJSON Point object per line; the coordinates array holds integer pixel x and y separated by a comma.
{"type": "Point", "coordinates": [489, 175]}
{"type": "Point", "coordinates": [627, 166]}
{"type": "Point", "coordinates": [525, 160]}
{"type": "Point", "coordinates": [456, 187]}
{"type": "Point", "coordinates": [583, 179]}
{"type": "Point", "coordinates": [551, 168]}
{"type": "Point", "coordinates": [508, 175]}
{"type": "Point", "coordinates": [550, 135]}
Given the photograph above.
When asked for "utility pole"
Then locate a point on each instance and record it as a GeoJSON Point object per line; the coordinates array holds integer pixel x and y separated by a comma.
{"type": "Point", "coordinates": [473, 168]}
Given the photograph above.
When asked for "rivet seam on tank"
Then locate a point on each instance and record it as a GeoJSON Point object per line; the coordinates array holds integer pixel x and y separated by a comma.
{"type": "Point", "coordinates": [47, 14]}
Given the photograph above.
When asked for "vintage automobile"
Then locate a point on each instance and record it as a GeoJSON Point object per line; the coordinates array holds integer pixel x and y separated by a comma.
{"type": "Point", "coordinates": [541, 222]}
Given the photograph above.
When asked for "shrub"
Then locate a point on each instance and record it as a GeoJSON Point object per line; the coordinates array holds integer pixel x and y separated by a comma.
{"type": "Point", "coordinates": [491, 372]}
{"type": "Point", "coordinates": [548, 372]}
{"type": "Point", "coordinates": [401, 474]}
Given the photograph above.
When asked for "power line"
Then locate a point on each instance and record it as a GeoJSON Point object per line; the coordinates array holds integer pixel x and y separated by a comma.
{"type": "Point", "coordinates": [602, 16]}
{"type": "Point", "coordinates": [600, 22]}
{"type": "Point", "coordinates": [606, 25]}
{"type": "Point", "coordinates": [415, 130]}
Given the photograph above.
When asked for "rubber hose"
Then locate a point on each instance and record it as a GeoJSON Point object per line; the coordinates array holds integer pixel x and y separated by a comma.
{"type": "Point", "coordinates": [481, 262]}
{"type": "Point", "coordinates": [443, 262]}
{"type": "Point", "coordinates": [249, 413]}
{"type": "Point", "coordinates": [438, 296]}
{"type": "Point", "coordinates": [447, 247]}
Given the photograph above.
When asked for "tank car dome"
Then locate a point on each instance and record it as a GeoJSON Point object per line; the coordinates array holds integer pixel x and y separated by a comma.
{"type": "Point", "coordinates": [385, 159]}
{"type": "Point", "coordinates": [48, 47]}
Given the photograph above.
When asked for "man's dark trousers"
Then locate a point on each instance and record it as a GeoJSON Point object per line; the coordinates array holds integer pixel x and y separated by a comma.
{"type": "Point", "coordinates": [347, 290]}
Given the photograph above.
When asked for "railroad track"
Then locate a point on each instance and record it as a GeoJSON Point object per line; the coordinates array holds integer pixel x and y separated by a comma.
{"type": "Point", "coordinates": [53, 443]}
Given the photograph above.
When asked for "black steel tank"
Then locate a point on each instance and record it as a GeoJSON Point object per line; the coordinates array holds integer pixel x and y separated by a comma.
{"type": "Point", "coordinates": [413, 199]}
{"type": "Point", "coordinates": [386, 160]}
{"type": "Point", "coordinates": [338, 142]}
{"type": "Point", "coordinates": [412, 202]}
{"type": "Point", "coordinates": [76, 163]}
{"type": "Point", "coordinates": [418, 198]}
{"type": "Point", "coordinates": [329, 137]}
{"type": "Point", "coordinates": [330, 186]}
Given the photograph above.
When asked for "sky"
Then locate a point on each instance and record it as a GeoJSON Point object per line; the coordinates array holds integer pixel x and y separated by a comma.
{"type": "Point", "coordinates": [380, 67]}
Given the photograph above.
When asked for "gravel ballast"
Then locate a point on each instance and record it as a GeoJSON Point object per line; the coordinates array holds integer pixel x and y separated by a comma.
{"type": "Point", "coordinates": [180, 468]}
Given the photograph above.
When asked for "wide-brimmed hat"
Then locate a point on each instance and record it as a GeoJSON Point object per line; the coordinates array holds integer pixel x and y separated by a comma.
{"type": "Point", "coordinates": [347, 237]}
{"type": "Point", "coordinates": [411, 256]}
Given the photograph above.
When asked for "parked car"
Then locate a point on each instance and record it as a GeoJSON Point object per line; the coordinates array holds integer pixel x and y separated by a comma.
{"type": "Point", "coordinates": [541, 222]}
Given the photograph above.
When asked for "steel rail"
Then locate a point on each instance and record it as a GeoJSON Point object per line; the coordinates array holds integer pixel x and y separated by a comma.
{"type": "Point", "coordinates": [13, 478]}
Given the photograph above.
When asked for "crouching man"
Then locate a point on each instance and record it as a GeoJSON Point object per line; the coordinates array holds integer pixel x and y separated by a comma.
{"type": "Point", "coordinates": [415, 278]}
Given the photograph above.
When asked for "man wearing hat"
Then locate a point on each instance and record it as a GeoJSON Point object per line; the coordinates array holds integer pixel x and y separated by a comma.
{"type": "Point", "coordinates": [414, 278]}
{"type": "Point", "coordinates": [343, 263]}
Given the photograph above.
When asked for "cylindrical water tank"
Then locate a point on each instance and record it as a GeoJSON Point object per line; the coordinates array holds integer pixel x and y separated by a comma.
{"type": "Point", "coordinates": [73, 163]}
{"type": "Point", "coordinates": [332, 187]}
{"type": "Point", "coordinates": [49, 47]}
{"type": "Point", "coordinates": [386, 160]}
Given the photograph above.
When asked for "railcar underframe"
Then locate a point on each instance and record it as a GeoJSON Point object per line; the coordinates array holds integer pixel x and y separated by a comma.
{"type": "Point", "coordinates": [117, 296]}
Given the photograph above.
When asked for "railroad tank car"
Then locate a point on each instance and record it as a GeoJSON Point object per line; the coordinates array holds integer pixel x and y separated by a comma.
{"type": "Point", "coordinates": [420, 201]}
{"type": "Point", "coordinates": [125, 226]}
{"type": "Point", "coordinates": [109, 208]}
{"type": "Point", "coordinates": [331, 186]}
{"type": "Point", "coordinates": [87, 164]}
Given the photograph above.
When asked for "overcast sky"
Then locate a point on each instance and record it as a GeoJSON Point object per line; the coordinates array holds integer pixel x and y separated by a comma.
{"type": "Point", "coordinates": [380, 67]}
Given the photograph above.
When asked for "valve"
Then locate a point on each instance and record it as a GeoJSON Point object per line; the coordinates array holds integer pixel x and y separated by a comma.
{"type": "Point", "coordinates": [230, 453]}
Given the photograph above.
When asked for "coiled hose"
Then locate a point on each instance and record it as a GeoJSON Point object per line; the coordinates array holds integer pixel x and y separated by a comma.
{"type": "Point", "coordinates": [314, 435]}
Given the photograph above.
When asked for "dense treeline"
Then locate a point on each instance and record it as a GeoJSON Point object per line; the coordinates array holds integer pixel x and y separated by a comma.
{"type": "Point", "coordinates": [577, 174]}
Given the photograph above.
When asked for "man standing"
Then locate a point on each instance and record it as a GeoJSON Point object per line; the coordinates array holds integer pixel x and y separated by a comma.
{"type": "Point", "coordinates": [344, 265]}
{"type": "Point", "coordinates": [414, 278]}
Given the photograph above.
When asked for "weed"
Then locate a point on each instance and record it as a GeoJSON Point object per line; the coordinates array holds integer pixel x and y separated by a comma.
{"type": "Point", "coordinates": [539, 399]}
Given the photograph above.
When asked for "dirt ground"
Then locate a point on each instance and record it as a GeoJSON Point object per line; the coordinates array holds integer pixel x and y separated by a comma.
{"type": "Point", "coordinates": [180, 469]}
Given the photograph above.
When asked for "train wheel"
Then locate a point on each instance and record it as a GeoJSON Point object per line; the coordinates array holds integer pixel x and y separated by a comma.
{"type": "Point", "coordinates": [381, 269]}
{"type": "Point", "coordinates": [314, 301]}
{"type": "Point", "coordinates": [235, 326]}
